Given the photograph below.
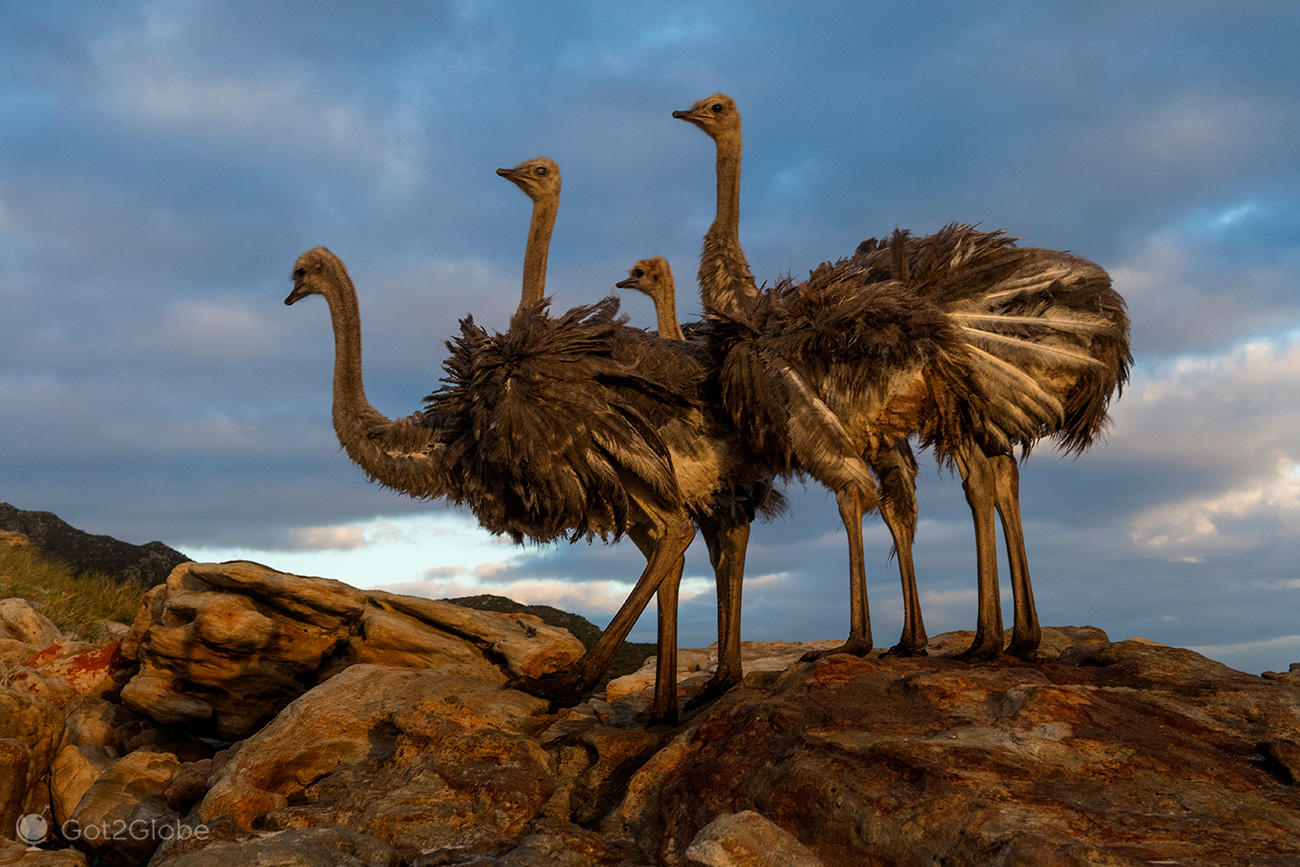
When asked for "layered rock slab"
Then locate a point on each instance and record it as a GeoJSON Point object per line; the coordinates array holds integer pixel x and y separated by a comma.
{"type": "Point", "coordinates": [223, 647]}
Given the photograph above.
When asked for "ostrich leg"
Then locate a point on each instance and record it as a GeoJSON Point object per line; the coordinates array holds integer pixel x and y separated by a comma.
{"type": "Point", "coordinates": [896, 469]}
{"type": "Point", "coordinates": [727, 542]}
{"type": "Point", "coordinates": [663, 709]}
{"type": "Point", "coordinates": [568, 686]}
{"type": "Point", "coordinates": [851, 508]}
{"type": "Point", "coordinates": [1025, 634]}
{"type": "Point", "coordinates": [978, 482]}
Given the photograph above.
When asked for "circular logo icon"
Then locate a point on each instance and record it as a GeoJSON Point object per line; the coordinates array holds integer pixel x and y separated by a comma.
{"type": "Point", "coordinates": [32, 829]}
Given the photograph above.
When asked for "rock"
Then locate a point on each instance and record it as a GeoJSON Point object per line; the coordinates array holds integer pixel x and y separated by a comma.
{"type": "Point", "coordinates": [14, 653]}
{"type": "Point", "coordinates": [1119, 752]}
{"type": "Point", "coordinates": [30, 730]}
{"type": "Point", "coordinates": [418, 758]}
{"type": "Point", "coordinates": [16, 766]}
{"type": "Point", "coordinates": [19, 854]}
{"type": "Point", "coordinates": [147, 564]}
{"type": "Point", "coordinates": [74, 771]}
{"type": "Point", "coordinates": [521, 643]}
{"type": "Point", "coordinates": [322, 846]}
{"type": "Point", "coordinates": [188, 785]}
{"type": "Point", "coordinates": [19, 621]}
{"type": "Point", "coordinates": [90, 720]}
{"type": "Point", "coordinates": [120, 816]}
{"type": "Point", "coordinates": [223, 647]}
{"type": "Point", "coordinates": [747, 839]}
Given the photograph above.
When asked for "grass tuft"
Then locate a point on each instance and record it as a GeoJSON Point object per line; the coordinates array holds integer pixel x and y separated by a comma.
{"type": "Point", "coordinates": [77, 603]}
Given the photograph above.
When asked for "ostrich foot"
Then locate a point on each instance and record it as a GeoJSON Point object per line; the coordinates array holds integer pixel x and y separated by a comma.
{"type": "Point", "coordinates": [657, 717]}
{"type": "Point", "coordinates": [564, 688]}
{"type": "Point", "coordinates": [854, 646]}
{"type": "Point", "coordinates": [982, 649]}
{"type": "Point", "coordinates": [1026, 650]}
{"type": "Point", "coordinates": [711, 691]}
{"type": "Point", "coordinates": [906, 648]}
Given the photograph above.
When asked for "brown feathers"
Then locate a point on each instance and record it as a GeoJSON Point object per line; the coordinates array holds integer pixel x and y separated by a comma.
{"type": "Point", "coordinates": [545, 426]}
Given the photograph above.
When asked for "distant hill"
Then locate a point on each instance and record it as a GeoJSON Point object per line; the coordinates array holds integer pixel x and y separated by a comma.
{"type": "Point", "coordinates": [147, 564]}
{"type": "Point", "coordinates": [626, 660]}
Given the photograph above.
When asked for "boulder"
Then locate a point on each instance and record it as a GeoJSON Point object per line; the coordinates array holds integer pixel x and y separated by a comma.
{"type": "Point", "coordinates": [18, 854]}
{"type": "Point", "coordinates": [75, 770]}
{"type": "Point", "coordinates": [747, 839]}
{"type": "Point", "coordinates": [1113, 753]}
{"type": "Point", "coordinates": [223, 647]}
{"type": "Point", "coordinates": [321, 846]}
{"type": "Point", "coordinates": [418, 758]}
{"type": "Point", "coordinates": [19, 621]}
{"type": "Point", "coordinates": [30, 730]}
{"type": "Point", "coordinates": [122, 817]}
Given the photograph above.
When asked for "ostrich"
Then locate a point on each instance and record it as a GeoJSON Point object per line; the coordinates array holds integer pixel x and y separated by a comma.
{"type": "Point", "coordinates": [726, 530]}
{"type": "Point", "coordinates": [1036, 321]}
{"type": "Point", "coordinates": [560, 426]}
{"type": "Point", "coordinates": [654, 278]}
{"type": "Point", "coordinates": [1035, 342]}
{"type": "Point", "coordinates": [815, 438]}
{"type": "Point", "coordinates": [703, 439]}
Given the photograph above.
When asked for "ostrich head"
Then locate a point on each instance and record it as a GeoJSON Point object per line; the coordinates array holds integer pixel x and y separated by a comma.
{"type": "Point", "coordinates": [538, 177]}
{"type": "Point", "coordinates": [308, 271]}
{"type": "Point", "coordinates": [651, 276]}
{"type": "Point", "coordinates": [717, 115]}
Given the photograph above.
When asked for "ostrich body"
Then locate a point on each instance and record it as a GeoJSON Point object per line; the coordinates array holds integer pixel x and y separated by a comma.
{"type": "Point", "coordinates": [811, 433]}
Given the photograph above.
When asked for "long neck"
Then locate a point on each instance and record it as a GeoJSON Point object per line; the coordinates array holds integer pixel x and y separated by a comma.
{"type": "Point", "coordinates": [726, 283]}
{"type": "Point", "coordinates": [539, 245]}
{"type": "Point", "coordinates": [666, 311]}
{"type": "Point", "coordinates": [397, 454]}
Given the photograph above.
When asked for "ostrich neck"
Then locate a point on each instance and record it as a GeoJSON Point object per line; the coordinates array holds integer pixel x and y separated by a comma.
{"type": "Point", "coordinates": [535, 253]}
{"type": "Point", "coordinates": [666, 311]}
{"type": "Point", "coordinates": [727, 222]}
{"type": "Point", "coordinates": [398, 454]}
{"type": "Point", "coordinates": [726, 283]}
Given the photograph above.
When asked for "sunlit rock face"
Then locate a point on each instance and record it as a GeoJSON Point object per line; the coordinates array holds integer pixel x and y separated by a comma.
{"type": "Point", "coordinates": [223, 647]}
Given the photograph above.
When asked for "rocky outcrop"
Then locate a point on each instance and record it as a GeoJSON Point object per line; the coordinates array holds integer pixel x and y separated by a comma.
{"type": "Point", "coordinates": [148, 564]}
{"type": "Point", "coordinates": [358, 727]}
{"type": "Point", "coordinates": [223, 647]}
{"type": "Point", "coordinates": [1110, 753]}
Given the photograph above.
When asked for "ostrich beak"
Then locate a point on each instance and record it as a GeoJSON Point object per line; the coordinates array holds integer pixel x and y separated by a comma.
{"type": "Point", "coordinates": [687, 115]}
{"type": "Point", "coordinates": [299, 292]}
{"type": "Point", "coordinates": [510, 175]}
{"type": "Point", "coordinates": [629, 283]}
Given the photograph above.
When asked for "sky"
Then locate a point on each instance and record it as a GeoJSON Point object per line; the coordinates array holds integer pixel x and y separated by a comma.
{"type": "Point", "coordinates": [162, 164]}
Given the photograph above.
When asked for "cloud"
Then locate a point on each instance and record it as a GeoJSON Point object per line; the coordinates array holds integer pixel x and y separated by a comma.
{"type": "Point", "coordinates": [337, 538]}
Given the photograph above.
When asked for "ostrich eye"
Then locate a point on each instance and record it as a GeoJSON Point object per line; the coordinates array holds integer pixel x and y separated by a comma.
{"type": "Point", "coordinates": [716, 107]}
{"type": "Point", "coordinates": [540, 171]}
{"type": "Point", "coordinates": [638, 273]}
{"type": "Point", "coordinates": [299, 273]}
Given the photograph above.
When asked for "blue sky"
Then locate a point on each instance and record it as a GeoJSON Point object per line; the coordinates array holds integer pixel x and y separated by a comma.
{"type": "Point", "coordinates": [163, 164]}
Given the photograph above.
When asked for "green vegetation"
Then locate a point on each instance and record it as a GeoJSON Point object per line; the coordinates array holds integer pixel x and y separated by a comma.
{"type": "Point", "coordinates": [75, 602]}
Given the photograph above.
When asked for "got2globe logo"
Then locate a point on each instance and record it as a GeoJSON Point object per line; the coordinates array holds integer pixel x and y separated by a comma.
{"type": "Point", "coordinates": [32, 829]}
